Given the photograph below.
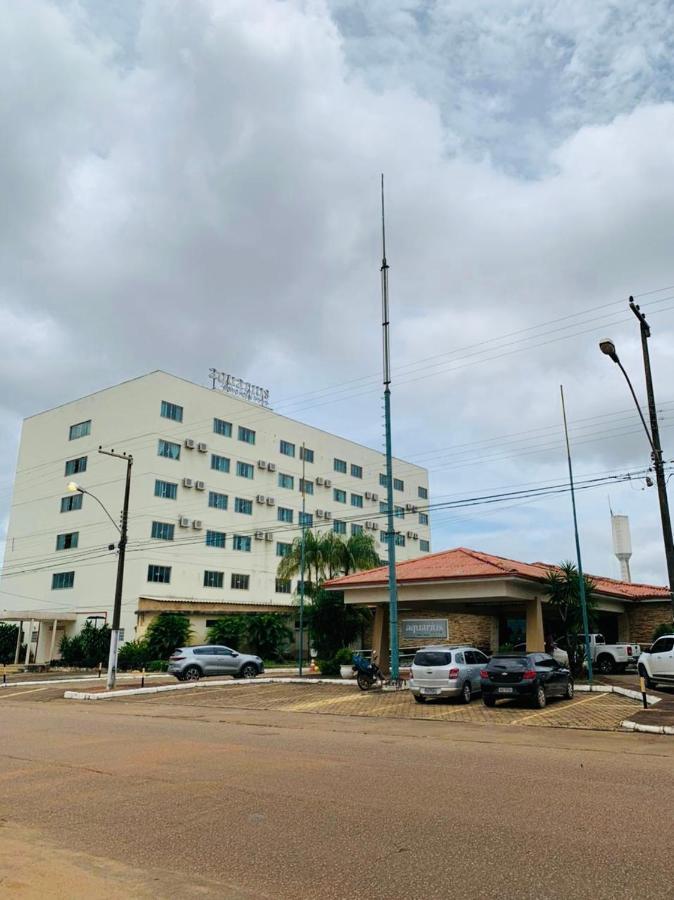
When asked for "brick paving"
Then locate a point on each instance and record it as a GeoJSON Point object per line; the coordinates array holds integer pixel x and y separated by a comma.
{"type": "Point", "coordinates": [603, 712]}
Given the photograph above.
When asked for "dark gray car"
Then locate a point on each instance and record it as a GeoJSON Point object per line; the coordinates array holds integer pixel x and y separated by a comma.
{"type": "Point", "coordinates": [193, 663]}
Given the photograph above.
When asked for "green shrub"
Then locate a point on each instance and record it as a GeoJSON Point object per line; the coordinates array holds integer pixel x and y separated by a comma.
{"type": "Point", "coordinates": [229, 630]}
{"type": "Point", "coordinates": [86, 649]}
{"type": "Point", "coordinates": [156, 665]}
{"type": "Point", "coordinates": [344, 657]}
{"type": "Point", "coordinates": [165, 633]}
{"type": "Point", "coordinates": [665, 628]}
{"type": "Point", "coordinates": [268, 634]}
{"type": "Point", "coordinates": [133, 655]}
{"type": "Point", "coordinates": [328, 667]}
{"type": "Point", "coordinates": [8, 636]}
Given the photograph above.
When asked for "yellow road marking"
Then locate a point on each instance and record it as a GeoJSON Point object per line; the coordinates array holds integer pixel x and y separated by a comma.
{"type": "Point", "coordinates": [313, 704]}
{"type": "Point", "coordinates": [549, 709]}
{"type": "Point", "coordinates": [17, 693]}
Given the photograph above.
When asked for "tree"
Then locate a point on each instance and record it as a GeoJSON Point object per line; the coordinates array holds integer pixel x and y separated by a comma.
{"type": "Point", "coordinates": [166, 632]}
{"type": "Point", "coordinates": [332, 623]}
{"type": "Point", "coordinates": [229, 630]}
{"type": "Point", "coordinates": [563, 587]}
{"type": "Point", "coordinates": [133, 655]}
{"type": "Point", "coordinates": [327, 555]}
{"type": "Point", "coordinates": [8, 636]}
{"type": "Point", "coordinates": [665, 628]}
{"type": "Point", "coordinates": [268, 634]}
{"type": "Point", "coordinates": [88, 648]}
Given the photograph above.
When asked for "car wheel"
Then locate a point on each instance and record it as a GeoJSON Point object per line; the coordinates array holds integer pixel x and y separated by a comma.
{"type": "Point", "coordinates": [540, 700]}
{"type": "Point", "coordinates": [418, 698]}
{"type": "Point", "coordinates": [466, 693]}
{"type": "Point", "coordinates": [648, 681]}
{"type": "Point", "coordinates": [249, 670]}
{"type": "Point", "coordinates": [568, 693]}
{"type": "Point", "coordinates": [488, 700]}
{"type": "Point", "coordinates": [606, 664]}
{"type": "Point", "coordinates": [191, 673]}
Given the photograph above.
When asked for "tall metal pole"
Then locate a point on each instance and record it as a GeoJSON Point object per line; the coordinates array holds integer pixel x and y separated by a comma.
{"type": "Point", "coordinates": [658, 464]}
{"type": "Point", "coordinates": [117, 608]}
{"type": "Point", "coordinates": [581, 577]}
{"type": "Point", "coordinates": [390, 535]}
{"type": "Point", "coordinates": [302, 552]}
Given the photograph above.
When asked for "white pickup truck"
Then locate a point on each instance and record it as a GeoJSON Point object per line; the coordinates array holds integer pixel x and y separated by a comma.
{"type": "Point", "coordinates": [610, 658]}
{"type": "Point", "coordinates": [657, 665]}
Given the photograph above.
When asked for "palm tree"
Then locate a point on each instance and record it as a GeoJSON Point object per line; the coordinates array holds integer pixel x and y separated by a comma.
{"type": "Point", "coordinates": [563, 587]}
{"type": "Point", "coordinates": [327, 555]}
{"type": "Point", "coordinates": [361, 554]}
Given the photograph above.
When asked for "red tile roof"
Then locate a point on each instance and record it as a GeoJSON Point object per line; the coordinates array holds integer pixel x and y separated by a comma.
{"type": "Point", "coordinates": [461, 563]}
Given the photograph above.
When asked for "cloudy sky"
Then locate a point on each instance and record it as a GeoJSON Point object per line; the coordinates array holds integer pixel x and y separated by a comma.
{"type": "Point", "coordinates": [194, 183]}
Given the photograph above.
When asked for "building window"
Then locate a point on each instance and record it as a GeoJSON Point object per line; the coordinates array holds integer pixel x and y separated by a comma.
{"type": "Point", "coordinates": [283, 586]}
{"type": "Point", "coordinates": [168, 449]}
{"type": "Point", "coordinates": [284, 514]}
{"type": "Point", "coordinates": [306, 454]}
{"type": "Point", "coordinates": [286, 448]}
{"type": "Point", "coordinates": [338, 495]}
{"type": "Point", "coordinates": [306, 486]}
{"type": "Point", "coordinates": [171, 411]}
{"type": "Point", "coordinates": [356, 471]}
{"type": "Point", "coordinates": [283, 549]}
{"type": "Point", "coordinates": [423, 519]}
{"type": "Point", "coordinates": [71, 502]}
{"type": "Point", "coordinates": [62, 580]}
{"type": "Point", "coordinates": [339, 527]}
{"type": "Point", "coordinates": [242, 542]}
{"type": "Point", "coordinates": [240, 582]}
{"type": "Point", "coordinates": [67, 541]}
{"type": "Point", "coordinates": [339, 465]}
{"type": "Point", "coordinates": [383, 507]}
{"type": "Point", "coordinates": [383, 481]}
{"type": "Point", "coordinates": [423, 493]}
{"type": "Point", "coordinates": [75, 466]}
{"type": "Point", "coordinates": [398, 484]}
{"type": "Point", "coordinates": [217, 501]}
{"type": "Point", "coordinates": [82, 429]}
{"type": "Point", "coordinates": [216, 539]}
{"type": "Point", "coordinates": [214, 579]}
{"type": "Point", "coordinates": [306, 519]}
{"type": "Point", "coordinates": [286, 481]}
{"type": "Point", "coordinates": [243, 506]}
{"type": "Point", "coordinates": [424, 545]}
{"type": "Point", "coordinates": [222, 427]}
{"type": "Point", "coordinates": [357, 500]}
{"type": "Point", "coordinates": [159, 574]}
{"type": "Point", "coordinates": [400, 540]}
{"type": "Point", "coordinates": [244, 470]}
{"type": "Point", "coordinates": [399, 512]}
{"type": "Point", "coordinates": [247, 435]}
{"type": "Point", "coordinates": [163, 531]}
{"type": "Point", "coordinates": [356, 529]}
{"type": "Point", "coordinates": [219, 463]}
{"type": "Point", "coordinates": [166, 489]}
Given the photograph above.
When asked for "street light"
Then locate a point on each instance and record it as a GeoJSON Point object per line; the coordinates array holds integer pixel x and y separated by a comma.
{"type": "Point", "coordinates": [608, 347]}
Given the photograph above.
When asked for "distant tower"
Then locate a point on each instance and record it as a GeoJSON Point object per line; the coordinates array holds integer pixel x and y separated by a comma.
{"type": "Point", "coordinates": [622, 544]}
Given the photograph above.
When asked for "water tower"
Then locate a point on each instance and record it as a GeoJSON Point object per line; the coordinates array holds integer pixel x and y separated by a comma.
{"type": "Point", "coordinates": [622, 544]}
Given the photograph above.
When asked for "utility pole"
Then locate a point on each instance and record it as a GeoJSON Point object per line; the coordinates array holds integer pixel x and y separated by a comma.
{"type": "Point", "coordinates": [581, 577]}
{"type": "Point", "coordinates": [304, 526]}
{"type": "Point", "coordinates": [656, 451]}
{"type": "Point", "coordinates": [390, 535]}
{"type": "Point", "coordinates": [117, 608]}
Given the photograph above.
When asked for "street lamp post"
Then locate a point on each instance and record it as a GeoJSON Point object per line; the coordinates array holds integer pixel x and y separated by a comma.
{"type": "Point", "coordinates": [117, 608]}
{"type": "Point", "coordinates": [608, 347]}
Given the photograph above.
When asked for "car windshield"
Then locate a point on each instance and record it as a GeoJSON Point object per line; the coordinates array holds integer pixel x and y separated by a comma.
{"type": "Point", "coordinates": [432, 658]}
{"type": "Point", "coordinates": [510, 662]}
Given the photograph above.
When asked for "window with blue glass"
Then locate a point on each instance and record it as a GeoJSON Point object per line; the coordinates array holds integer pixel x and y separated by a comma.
{"type": "Point", "coordinates": [62, 580]}
{"type": "Point", "coordinates": [71, 502]}
{"type": "Point", "coordinates": [171, 411]}
{"type": "Point", "coordinates": [356, 529]}
{"type": "Point", "coordinates": [306, 519]}
{"type": "Point", "coordinates": [357, 500]}
{"type": "Point", "coordinates": [242, 542]}
{"type": "Point", "coordinates": [356, 471]}
{"type": "Point", "coordinates": [217, 501]}
{"type": "Point", "coordinates": [219, 463]}
{"type": "Point", "coordinates": [400, 540]}
{"type": "Point", "coordinates": [168, 449]}
{"type": "Point", "coordinates": [339, 527]}
{"type": "Point", "coordinates": [424, 545]}
{"type": "Point", "coordinates": [383, 537]}
{"type": "Point", "coordinates": [423, 493]}
{"type": "Point", "coordinates": [284, 514]}
{"type": "Point", "coordinates": [423, 519]}
{"type": "Point", "coordinates": [81, 429]}
{"type": "Point", "coordinates": [283, 549]}
{"type": "Point", "coordinates": [399, 512]}
{"type": "Point", "coordinates": [383, 481]}
{"type": "Point", "coordinates": [163, 531]}
{"type": "Point", "coordinates": [159, 574]}
{"type": "Point", "coordinates": [338, 495]}
{"type": "Point", "coordinates": [398, 484]}
{"type": "Point", "coordinates": [213, 579]}
{"type": "Point", "coordinates": [306, 486]}
{"type": "Point", "coordinates": [67, 541]}
{"type": "Point", "coordinates": [247, 435]}
{"type": "Point", "coordinates": [216, 539]}
{"type": "Point", "coordinates": [306, 454]}
{"type": "Point", "coordinates": [339, 465]}
{"type": "Point", "coordinates": [222, 428]}
{"type": "Point", "coordinates": [383, 507]}
{"type": "Point", "coordinates": [165, 489]}
{"type": "Point", "coordinates": [286, 448]}
{"type": "Point", "coordinates": [240, 582]}
{"type": "Point", "coordinates": [286, 481]}
{"type": "Point", "coordinates": [75, 466]}
{"type": "Point", "coordinates": [244, 470]}
{"type": "Point", "coordinates": [243, 506]}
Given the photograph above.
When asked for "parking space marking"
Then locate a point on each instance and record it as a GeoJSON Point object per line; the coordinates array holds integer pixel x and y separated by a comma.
{"type": "Point", "coordinates": [307, 705]}
{"type": "Point", "coordinates": [554, 709]}
{"type": "Point", "coordinates": [21, 693]}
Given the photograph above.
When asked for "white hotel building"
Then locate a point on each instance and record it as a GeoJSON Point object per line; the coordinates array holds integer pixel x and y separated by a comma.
{"type": "Point", "coordinates": [216, 499]}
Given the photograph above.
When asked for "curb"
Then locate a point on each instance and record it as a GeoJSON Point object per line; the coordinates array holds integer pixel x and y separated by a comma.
{"type": "Point", "coordinates": [647, 729]}
{"type": "Point", "coordinates": [613, 689]}
{"type": "Point", "coordinates": [195, 685]}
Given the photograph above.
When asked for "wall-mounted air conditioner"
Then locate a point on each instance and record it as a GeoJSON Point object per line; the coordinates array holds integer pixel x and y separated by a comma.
{"type": "Point", "coordinates": [409, 506]}
{"type": "Point", "coordinates": [184, 522]}
{"type": "Point", "coordinates": [410, 534]}
{"type": "Point", "coordinates": [259, 498]}
{"type": "Point", "coordinates": [415, 536]}
{"type": "Point", "coordinates": [270, 501]}
{"type": "Point", "coordinates": [259, 535]}
{"type": "Point", "coordinates": [319, 513]}
{"type": "Point", "coordinates": [197, 524]}
{"type": "Point", "coordinates": [327, 483]}
{"type": "Point", "coordinates": [319, 479]}
{"type": "Point", "coordinates": [262, 463]}
{"type": "Point", "coordinates": [187, 482]}
{"type": "Point", "coordinates": [375, 526]}
{"type": "Point", "coordinates": [271, 467]}
{"type": "Point", "coordinates": [189, 443]}
{"type": "Point", "coordinates": [375, 496]}
{"type": "Point", "coordinates": [200, 485]}
{"type": "Point", "coordinates": [328, 514]}
{"type": "Point", "coordinates": [368, 495]}
{"type": "Point", "coordinates": [202, 447]}
{"type": "Point", "coordinates": [269, 537]}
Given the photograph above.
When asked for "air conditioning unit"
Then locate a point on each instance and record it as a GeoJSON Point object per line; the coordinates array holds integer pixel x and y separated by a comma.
{"type": "Point", "coordinates": [202, 447]}
{"type": "Point", "coordinates": [259, 498]}
{"type": "Point", "coordinates": [320, 479]}
{"type": "Point", "coordinates": [410, 534]}
{"type": "Point", "coordinates": [187, 482]}
{"type": "Point", "coordinates": [319, 513]}
{"type": "Point", "coordinates": [368, 495]}
{"type": "Point", "coordinates": [375, 496]}
{"type": "Point", "coordinates": [328, 514]}
{"type": "Point", "coordinates": [369, 525]}
{"type": "Point", "coordinates": [189, 443]}
{"type": "Point", "coordinates": [270, 501]}
{"type": "Point", "coordinates": [184, 522]}
{"type": "Point", "coordinates": [262, 463]}
{"type": "Point", "coordinates": [197, 524]}
{"type": "Point", "coordinates": [327, 482]}
{"type": "Point", "coordinates": [375, 526]}
{"type": "Point", "coordinates": [259, 535]}
{"type": "Point", "coordinates": [199, 485]}
{"type": "Point", "coordinates": [415, 536]}
{"type": "Point", "coordinates": [409, 506]}
{"type": "Point", "coordinates": [415, 508]}
{"type": "Point", "coordinates": [271, 467]}
{"type": "Point", "coordinates": [269, 537]}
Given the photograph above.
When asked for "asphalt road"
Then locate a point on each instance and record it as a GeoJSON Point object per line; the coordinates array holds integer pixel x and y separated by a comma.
{"type": "Point", "coordinates": [122, 800]}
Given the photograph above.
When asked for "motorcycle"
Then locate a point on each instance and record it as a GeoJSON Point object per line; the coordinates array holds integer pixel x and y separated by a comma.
{"type": "Point", "coordinates": [368, 673]}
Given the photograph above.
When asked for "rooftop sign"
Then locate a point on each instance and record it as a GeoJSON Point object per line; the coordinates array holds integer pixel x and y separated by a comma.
{"type": "Point", "coordinates": [230, 384]}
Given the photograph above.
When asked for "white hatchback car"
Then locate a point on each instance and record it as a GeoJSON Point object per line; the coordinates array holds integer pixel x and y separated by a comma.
{"type": "Point", "coordinates": [447, 671]}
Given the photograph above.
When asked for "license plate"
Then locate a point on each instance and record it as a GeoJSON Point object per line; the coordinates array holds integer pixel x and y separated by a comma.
{"type": "Point", "coordinates": [430, 690]}
{"type": "Point", "coordinates": [502, 690]}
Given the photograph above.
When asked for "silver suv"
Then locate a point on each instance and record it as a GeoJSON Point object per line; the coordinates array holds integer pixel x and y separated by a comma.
{"type": "Point", "coordinates": [447, 671]}
{"type": "Point", "coordinates": [193, 663]}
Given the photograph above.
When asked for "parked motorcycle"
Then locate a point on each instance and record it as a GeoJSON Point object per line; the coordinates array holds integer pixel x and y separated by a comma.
{"type": "Point", "coordinates": [368, 673]}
